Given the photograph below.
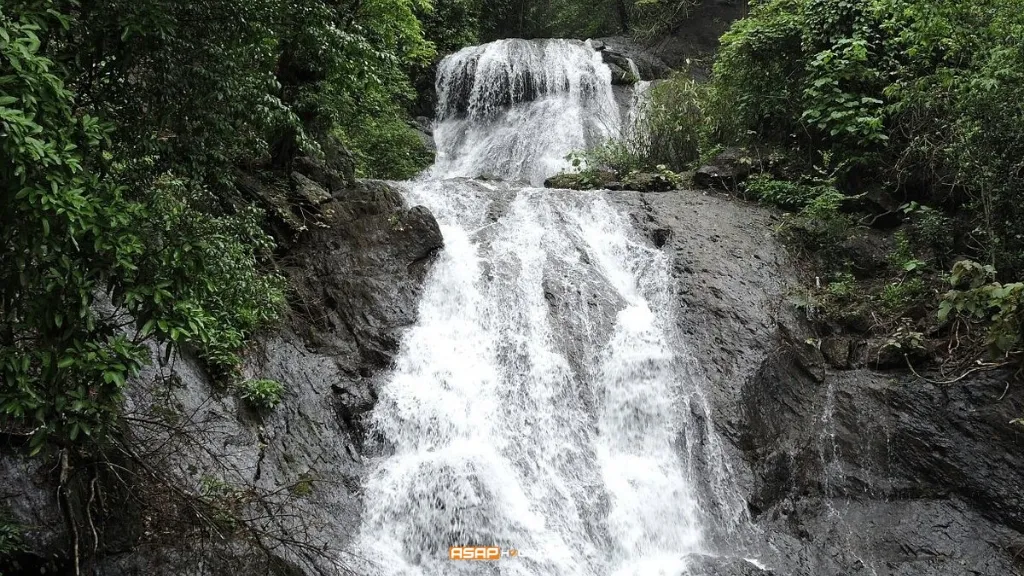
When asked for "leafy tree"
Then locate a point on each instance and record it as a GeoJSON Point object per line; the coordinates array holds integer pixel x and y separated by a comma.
{"type": "Point", "coordinates": [911, 95]}
{"type": "Point", "coordinates": [65, 235]}
{"type": "Point", "coordinates": [87, 273]}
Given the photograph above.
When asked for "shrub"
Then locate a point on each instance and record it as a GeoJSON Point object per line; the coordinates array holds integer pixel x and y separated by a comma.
{"type": "Point", "coordinates": [783, 193]}
{"type": "Point", "coordinates": [671, 124]}
{"type": "Point", "coordinates": [386, 147]}
{"type": "Point", "coordinates": [898, 296]}
{"type": "Point", "coordinates": [11, 541]}
{"type": "Point", "coordinates": [201, 271]}
{"type": "Point", "coordinates": [976, 297]}
{"type": "Point", "coordinates": [262, 394]}
{"type": "Point", "coordinates": [918, 97]}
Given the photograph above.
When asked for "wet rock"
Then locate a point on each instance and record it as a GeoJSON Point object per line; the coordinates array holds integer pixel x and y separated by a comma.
{"type": "Point", "coordinates": [729, 169]}
{"type": "Point", "coordinates": [691, 44]}
{"type": "Point", "coordinates": [622, 76]}
{"type": "Point", "coordinates": [310, 192]}
{"type": "Point", "coordinates": [316, 171]}
{"type": "Point", "coordinates": [355, 282]}
{"type": "Point", "coordinates": [867, 251]}
{"type": "Point", "coordinates": [647, 182]}
{"type": "Point", "coordinates": [589, 180]}
{"type": "Point", "coordinates": [620, 50]}
{"type": "Point", "coordinates": [724, 566]}
{"type": "Point", "coordinates": [837, 351]}
{"type": "Point", "coordinates": [884, 207]}
{"type": "Point", "coordinates": [845, 470]}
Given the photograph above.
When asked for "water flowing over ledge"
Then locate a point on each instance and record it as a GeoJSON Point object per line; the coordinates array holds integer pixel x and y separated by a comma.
{"type": "Point", "coordinates": [544, 401]}
{"type": "Point", "coordinates": [513, 109]}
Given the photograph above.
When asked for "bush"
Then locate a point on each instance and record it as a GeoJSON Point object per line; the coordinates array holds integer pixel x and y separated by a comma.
{"type": "Point", "coordinates": [913, 96]}
{"type": "Point", "coordinates": [783, 193]}
{"type": "Point", "coordinates": [174, 265]}
{"type": "Point", "coordinates": [673, 123]}
{"type": "Point", "coordinates": [11, 541]}
{"type": "Point", "coordinates": [976, 297]}
{"type": "Point", "coordinates": [202, 274]}
{"type": "Point", "coordinates": [899, 296]}
{"type": "Point", "coordinates": [385, 146]}
{"type": "Point", "coordinates": [262, 394]}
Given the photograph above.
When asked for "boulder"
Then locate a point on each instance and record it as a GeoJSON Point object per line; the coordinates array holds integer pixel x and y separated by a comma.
{"type": "Point", "coordinates": [647, 182]}
{"type": "Point", "coordinates": [622, 76]}
{"type": "Point", "coordinates": [867, 251]}
{"type": "Point", "coordinates": [729, 169]}
{"type": "Point", "coordinates": [308, 191]}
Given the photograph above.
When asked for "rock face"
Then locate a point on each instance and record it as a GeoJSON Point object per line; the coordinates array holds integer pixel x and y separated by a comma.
{"type": "Point", "coordinates": [693, 43]}
{"type": "Point", "coordinates": [845, 471]}
{"type": "Point", "coordinates": [619, 51]}
{"type": "Point", "coordinates": [199, 463]}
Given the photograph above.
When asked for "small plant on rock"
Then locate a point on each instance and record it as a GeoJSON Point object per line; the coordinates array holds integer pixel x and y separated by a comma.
{"type": "Point", "coordinates": [11, 541]}
{"type": "Point", "coordinates": [262, 394]}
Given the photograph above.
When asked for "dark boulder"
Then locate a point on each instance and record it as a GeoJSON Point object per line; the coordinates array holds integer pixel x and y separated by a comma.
{"type": "Point", "coordinates": [647, 182]}
{"type": "Point", "coordinates": [730, 168]}
{"type": "Point", "coordinates": [867, 251]}
{"type": "Point", "coordinates": [622, 76]}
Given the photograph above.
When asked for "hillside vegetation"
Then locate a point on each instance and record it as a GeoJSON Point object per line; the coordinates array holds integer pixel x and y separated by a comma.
{"type": "Point", "coordinates": [123, 126]}
{"type": "Point", "coordinates": [896, 115]}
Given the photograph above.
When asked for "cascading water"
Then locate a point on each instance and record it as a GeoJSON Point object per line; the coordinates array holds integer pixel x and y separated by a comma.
{"type": "Point", "coordinates": [544, 401]}
{"type": "Point", "coordinates": [513, 109]}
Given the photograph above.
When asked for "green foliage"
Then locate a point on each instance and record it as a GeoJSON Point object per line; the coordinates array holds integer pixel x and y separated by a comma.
{"type": "Point", "coordinates": [615, 162]}
{"type": "Point", "coordinates": [673, 123]}
{"type": "Point", "coordinates": [262, 394]}
{"type": "Point", "coordinates": [976, 297]}
{"type": "Point", "coordinates": [930, 231]}
{"type": "Point", "coordinates": [614, 155]}
{"type": "Point", "coordinates": [899, 296]}
{"type": "Point", "coordinates": [649, 19]}
{"type": "Point", "coordinates": [842, 287]}
{"type": "Point", "coordinates": [201, 274]}
{"type": "Point", "coordinates": [906, 339]}
{"type": "Point", "coordinates": [66, 234]}
{"type": "Point", "coordinates": [643, 19]}
{"type": "Point", "coordinates": [758, 77]}
{"type": "Point", "coordinates": [784, 193]}
{"type": "Point", "coordinates": [917, 97]}
{"type": "Point", "coordinates": [11, 541]}
{"type": "Point", "coordinates": [833, 105]}
{"type": "Point", "coordinates": [822, 221]}
{"type": "Point", "coordinates": [386, 147]}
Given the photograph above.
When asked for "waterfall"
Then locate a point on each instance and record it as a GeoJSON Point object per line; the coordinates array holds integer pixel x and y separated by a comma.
{"type": "Point", "coordinates": [514, 109]}
{"type": "Point", "coordinates": [545, 401]}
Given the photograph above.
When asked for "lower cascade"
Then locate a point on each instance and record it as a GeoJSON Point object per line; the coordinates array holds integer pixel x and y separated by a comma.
{"type": "Point", "coordinates": [545, 402]}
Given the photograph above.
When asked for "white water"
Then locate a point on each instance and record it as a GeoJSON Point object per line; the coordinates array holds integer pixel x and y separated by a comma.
{"type": "Point", "coordinates": [544, 400]}
{"type": "Point", "coordinates": [514, 109]}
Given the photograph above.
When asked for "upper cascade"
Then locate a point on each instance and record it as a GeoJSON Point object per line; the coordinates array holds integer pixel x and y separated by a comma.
{"type": "Point", "coordinates": [514, 109]}
{"type": "Point", "coordinates": [479, 82]}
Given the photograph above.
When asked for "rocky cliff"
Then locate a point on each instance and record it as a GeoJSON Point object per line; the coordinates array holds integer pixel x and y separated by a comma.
{"type": "Point", "coordinates": [845, 470]}
{"type": "Point", "coordinates": [200, 483]}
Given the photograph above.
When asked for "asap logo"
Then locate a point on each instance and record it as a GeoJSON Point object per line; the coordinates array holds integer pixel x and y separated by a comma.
{"type": "Point", "coordinates": [481, 553]}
